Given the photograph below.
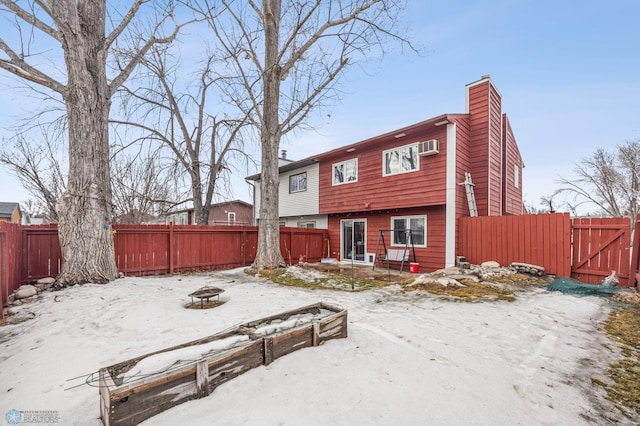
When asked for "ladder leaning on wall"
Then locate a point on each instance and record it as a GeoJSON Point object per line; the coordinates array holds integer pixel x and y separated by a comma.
{"type": "Point", "coordinates": [471, 198]}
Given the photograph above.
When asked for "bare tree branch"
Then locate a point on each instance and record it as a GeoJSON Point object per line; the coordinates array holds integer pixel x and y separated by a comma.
{"type": "Point", "coordinates": [124, 23]}
{"type": "Point", "coordinates": [17, 66]}
{"type": "Point", "coordinates": [608, 180]}
{"type": "Point", "coordinates": [31, 18]}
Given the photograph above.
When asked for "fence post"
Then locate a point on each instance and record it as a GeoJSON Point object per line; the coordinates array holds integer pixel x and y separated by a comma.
{"type": "Point", "coordinates": [171, 265]}
{"type": "Point", "coordinates": [4, 296]}
{"type": "Point", "coordinates": [635, 249]}
{"type": "Point", "coordinates": [243, 246]}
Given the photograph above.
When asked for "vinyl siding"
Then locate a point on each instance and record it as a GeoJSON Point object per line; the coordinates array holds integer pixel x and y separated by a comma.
{"type": "Point", "coordinates": [462, 165]}
{"type": "Point", "coordinates": [301, 203]}
{"type": "Point", "coordinates": [430, 258]}
{"type": "Point", "coordinates": [292, 221]}
{"type": "Point", "coordinates": [512, 196]}
{"type": "Point", "coordinates": [373, 191]}
{"type": "Point", "coordinates": [485, 140]}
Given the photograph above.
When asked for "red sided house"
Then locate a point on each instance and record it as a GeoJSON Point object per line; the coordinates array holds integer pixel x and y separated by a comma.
{"type": "Point", "coordinates": [409, 179]}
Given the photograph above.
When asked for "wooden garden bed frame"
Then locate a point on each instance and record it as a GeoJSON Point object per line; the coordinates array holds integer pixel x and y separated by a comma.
{"type": "Point", "coordinates": [127, 403]}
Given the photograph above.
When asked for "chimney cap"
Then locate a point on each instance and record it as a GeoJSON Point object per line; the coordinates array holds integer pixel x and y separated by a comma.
{"type": "Point", "coordinates": [485, 76]}
{"type": "Point", "coordinates": [283, 154]}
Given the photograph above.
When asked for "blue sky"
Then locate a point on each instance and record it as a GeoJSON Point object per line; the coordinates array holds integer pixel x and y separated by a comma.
{"type": "Point", "coordinates": [568, 72]}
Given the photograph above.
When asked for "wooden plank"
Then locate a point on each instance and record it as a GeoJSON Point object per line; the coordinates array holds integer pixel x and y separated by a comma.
{"type": "Point", "coordinates": [268, 350]}
{"type": "Point", "coordinates": [316, 333]}
{"type": "Point", "coordinates": [202, 378]}
{"type": "Point", "coordinates": [291, 341]}
{"type": "Point", "coordinates": [105, 383]}
{"type": "Point", "coordinates": [232, 364]}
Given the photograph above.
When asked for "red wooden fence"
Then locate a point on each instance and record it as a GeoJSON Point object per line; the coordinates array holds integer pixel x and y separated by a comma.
{"type": "Point", "coordinates": [543, 240]}
{"type": "Point", "coordinates": [28, 253]}
{"type": "Point", "coordinates": [10, 248]}
{"type": "Point", "coordinates": [586, 249]}
{"type": "Point", "coordinates": [634, 277]}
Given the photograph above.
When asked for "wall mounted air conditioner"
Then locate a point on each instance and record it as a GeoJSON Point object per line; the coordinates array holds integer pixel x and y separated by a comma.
{"type": "Point", "coordinates": [429, 147]}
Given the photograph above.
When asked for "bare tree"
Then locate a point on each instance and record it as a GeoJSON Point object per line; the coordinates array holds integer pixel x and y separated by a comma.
{"type": "Point", "coordinates": [36, 162]}
{"type": "Point", "coordinates": [143, 187]}
{"type": "Point", "coordinates": [288, 57]}
{"type": "Point", "coordinates": [547, 201]}
{"type": "Point", "coordinates": [178, 118]}
{"type": "Point", "coordinates": [79, 30]}
{"type": "Point", "coordinates": [608, 180]}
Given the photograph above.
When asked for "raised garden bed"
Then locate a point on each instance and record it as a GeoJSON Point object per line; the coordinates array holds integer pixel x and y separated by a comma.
{"type": "Point", "coordinates": [134, 390]}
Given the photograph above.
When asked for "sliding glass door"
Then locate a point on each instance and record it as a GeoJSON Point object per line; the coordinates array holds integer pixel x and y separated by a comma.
{"type": "Point", "coordinates": [354, 239]}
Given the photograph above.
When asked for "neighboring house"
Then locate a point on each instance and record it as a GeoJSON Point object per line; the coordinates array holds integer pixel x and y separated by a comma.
{"type": "Point", "coordinates": [410, 178]}
{"type": "Point", "coordinates": [10, 212]}
{"type": "Point", "coordinates": [299, 197]}
{"type": "Point", "coordinates": [133, 217]}
{"type": "Point", "coordinates": [234, 212]}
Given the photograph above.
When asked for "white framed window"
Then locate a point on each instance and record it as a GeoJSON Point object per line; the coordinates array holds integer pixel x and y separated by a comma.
{"type": "Point", "coordinates": [402, 159]}
{"type": "Point", "coordinates": [418, 226]}
{"type": "Point", "coordinates": [183, 219]}
{"type": "Point", "coordinates": [298, 183]}
{"type": "Point", "coordinates": [516, 176]}
{"type": "Point", "coordinates": [231, 218]}
{"type": "Point", "coordinates": [345, 172]}
{"type": "Point", "coordinates": [307, 224]}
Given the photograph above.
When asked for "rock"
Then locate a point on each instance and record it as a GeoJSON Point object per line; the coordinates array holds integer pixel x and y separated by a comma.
{"type": "Point", "coordinates": [465, 277]}
{"type": "Point", "coordinates": [449, 282]}
{"type": "Point", "coordinates": [44, 283]}
{"type": "Point", "coordinates": [25, 291]}
{"type": "Point", "coordinates": [490, 264]}
{"type": "Point", "coordinates": [528, 268]}
{"type": "Point", "coordinates": [611, 280]}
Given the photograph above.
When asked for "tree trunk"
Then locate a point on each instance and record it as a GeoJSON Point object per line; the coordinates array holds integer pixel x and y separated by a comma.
{"type": "Point", "coordinates": [84, 210]}
{"type": "Point", "coordinates": [268, 255]}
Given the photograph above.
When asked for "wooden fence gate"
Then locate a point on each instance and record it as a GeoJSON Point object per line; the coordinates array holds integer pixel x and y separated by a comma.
{"type": "Point", "coordinates": [599, 246]}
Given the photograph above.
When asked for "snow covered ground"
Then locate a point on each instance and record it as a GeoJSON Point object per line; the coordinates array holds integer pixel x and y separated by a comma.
{"type": "Point", "coordinates": [410, 358]}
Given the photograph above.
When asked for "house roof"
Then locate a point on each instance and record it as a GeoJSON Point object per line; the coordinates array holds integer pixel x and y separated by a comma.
{"type": "Point", "coordinates": [287, 167]}
{"type": "Point", "coordinates": [403, 132]}
{"type": "Point", "coordinates": [7, 209]}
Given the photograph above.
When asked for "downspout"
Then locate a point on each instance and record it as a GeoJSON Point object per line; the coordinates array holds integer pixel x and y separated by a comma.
{"type": "Point", "coordinates": [451, 189]}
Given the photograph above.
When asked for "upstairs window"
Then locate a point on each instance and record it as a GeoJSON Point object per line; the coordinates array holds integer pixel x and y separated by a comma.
{"type": "Point", "coordinates": [298, 183]}
{"type": "Point", "coordinates": [418, 227]}
{"type": "Point", "coordinates": [516, 176]}
{"type": "Point", "coordinates": [345, 172]}
{"type": "Point", "coordinates": [231, 218]}
{"type": "Point", "coordinates": [403, 159]}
